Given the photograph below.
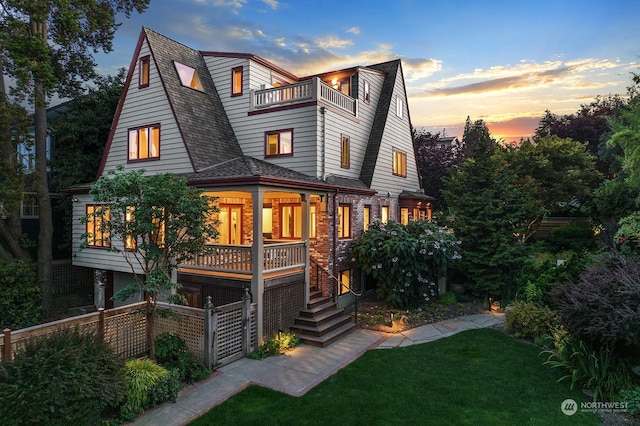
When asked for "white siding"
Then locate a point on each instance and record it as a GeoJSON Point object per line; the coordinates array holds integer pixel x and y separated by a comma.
{"type": "Point", "coordinates": [250, 130]}
{"type": "Point", "coordinates": [358, 131]}
{"type": "Point", "coordinates": [397, 134]}
{"type": "Point", "coordinates": [145, 106]}
{"type": "Point", "coordinates": [90, 257]}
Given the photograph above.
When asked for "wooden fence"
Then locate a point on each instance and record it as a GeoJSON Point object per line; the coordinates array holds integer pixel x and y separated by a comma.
{"type": "Point", "coordinates": [215, 335]}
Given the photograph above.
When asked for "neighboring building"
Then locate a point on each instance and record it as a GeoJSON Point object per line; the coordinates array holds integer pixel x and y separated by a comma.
{"type": "Point", "coordinates": [299, 165]}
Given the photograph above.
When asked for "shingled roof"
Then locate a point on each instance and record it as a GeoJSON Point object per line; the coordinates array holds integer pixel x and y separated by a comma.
{"type": "Point", "coordinates": [390, 69]}
{"type": "Point", "coordinates": [201, 118]}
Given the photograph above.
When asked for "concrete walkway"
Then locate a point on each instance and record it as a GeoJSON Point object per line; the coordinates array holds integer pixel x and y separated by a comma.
{"type": "Point", "coordinates": [300, 369]}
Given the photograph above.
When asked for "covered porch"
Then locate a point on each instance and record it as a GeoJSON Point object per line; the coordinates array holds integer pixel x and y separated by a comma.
{"type": "Point", "coordinates": [267, 238]}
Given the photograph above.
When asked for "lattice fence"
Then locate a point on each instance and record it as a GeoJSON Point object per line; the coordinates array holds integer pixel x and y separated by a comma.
{"type": "Point", "coordinates": [124, 329]}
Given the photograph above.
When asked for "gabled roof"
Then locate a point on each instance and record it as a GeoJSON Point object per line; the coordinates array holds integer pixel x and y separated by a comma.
{"type": "Point", "coordinates": [201, 118]}
{"type": "Point", "coordinates": [202, 121]}
{"type": "Point", "coordinates": [390, 69]}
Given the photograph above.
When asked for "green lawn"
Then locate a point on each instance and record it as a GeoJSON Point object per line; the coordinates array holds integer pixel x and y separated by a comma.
{"type": "Point", "coordinates": [477, 377]}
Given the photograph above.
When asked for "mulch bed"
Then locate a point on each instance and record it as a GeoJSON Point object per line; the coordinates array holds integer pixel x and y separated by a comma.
{"type": "Point", "coordinates": [374, 314]}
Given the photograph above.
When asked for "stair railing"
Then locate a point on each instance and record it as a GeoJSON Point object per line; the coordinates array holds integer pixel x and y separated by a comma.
{"type": "Point", "coordinates": [336, 285]}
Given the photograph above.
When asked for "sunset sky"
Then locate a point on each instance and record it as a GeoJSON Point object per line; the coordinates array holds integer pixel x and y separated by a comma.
{"type": "Point", "coordinates": [505, 62]}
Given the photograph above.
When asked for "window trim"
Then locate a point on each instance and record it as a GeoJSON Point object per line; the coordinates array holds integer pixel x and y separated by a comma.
{"type": "Point", "coordinates": [399, 107]}
{"type": "Point", "coordinates": [366, 217]}
{"type": "Point", "coordinates": [341, 289]}
{"type": "Point", "coordinates": [266, 143]}
{"type": "Point", "coordinates": [137, 129]}
{"type": "Point", "coordinates": [234, 91]}
{"type": "Point", "coordinates": [144, 70]}
{"type": "Point", "coordinates": [195, 78]}
{"type": "Point", "coordinates": [345, 163]}
{"type": "Point", "coordinates": [366, 97]}
{"type": "Point", "coordinates": [105, 241]}
{"type": "Point", "coordinates": [401, 168]}
{"type": "Point", "coordinates": [341, 222]}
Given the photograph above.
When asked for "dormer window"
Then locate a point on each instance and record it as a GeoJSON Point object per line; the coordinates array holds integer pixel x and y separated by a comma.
{"type": "Point", "coordinates": [143, 72]}
{"type": "Point", "coordinates": [188, 76]}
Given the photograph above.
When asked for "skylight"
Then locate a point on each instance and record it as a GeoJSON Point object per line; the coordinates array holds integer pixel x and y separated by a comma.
{"type": "Point", "coordinates": [188, 76]}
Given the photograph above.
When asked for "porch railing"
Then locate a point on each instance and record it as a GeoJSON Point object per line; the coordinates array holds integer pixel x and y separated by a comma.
{"type": "Point", "coordinates": [239, 259]}
{"type": "Point", "coordinates": [308, 90]}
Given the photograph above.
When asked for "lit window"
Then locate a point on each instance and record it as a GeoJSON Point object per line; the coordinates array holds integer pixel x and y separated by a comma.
{"type": "Point", "coordinates": [366, 217]}
{"type": "Point", "coordinates": [279, 143]}
{"type": "Point", "coordinates": [236, 81]}
{"type": "Point", "coordinates": [345, 152]}
{"type": "Point", "coordinates": [230, 227]}
{"type": "Point", "coordinates": [157, 236]}
{"type": "Point", "coordinates": [144, 143]}
{"type": "Point", "coordinates": [97, 235]}
{"type": "Point", "coordinates": [404, 216]}
{"type": "Point", "coordinates": [399, 108]}
{"type": "Point", "coordinates": [143, 72]}
{"type": "Point", "coordinates": [188, 76]}
{"type": "Point", "coordinates": [399, 163]}
{"type": "Point", "coordinates": [367, 92]}
{"type": "Point", "coordinates": [291, 219]}
{"type": "Point", "coordinates": [345, 281]}
{"type": "Point", "coordinates": [130, 242]}
{"type": "Point", "coordinates": [384, 214]}
{"type": "Point", "coordinates": [313, 221]}
{"type": "Point", "coordinates": [344, 221]}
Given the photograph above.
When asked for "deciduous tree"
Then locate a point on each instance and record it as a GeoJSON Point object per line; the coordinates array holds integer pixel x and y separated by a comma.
{"type": "Point", "coordinates": [47, 47]}
{"type": "Point", "coordinates": [156, 222]}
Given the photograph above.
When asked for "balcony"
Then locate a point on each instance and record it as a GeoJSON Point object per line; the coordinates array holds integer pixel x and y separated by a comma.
{"type": "Point", "coordinates": [304, 91]}
{"type": "Point", "coordinates": [238, 259]}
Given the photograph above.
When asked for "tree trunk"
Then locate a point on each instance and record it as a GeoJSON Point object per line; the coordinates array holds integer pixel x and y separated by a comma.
{"type": "Point", "coordinates": [149, 310]}
{"type": "Point", "coordinates": [45, 235]}
{"type": "Point", "coordinates": [10, 228]}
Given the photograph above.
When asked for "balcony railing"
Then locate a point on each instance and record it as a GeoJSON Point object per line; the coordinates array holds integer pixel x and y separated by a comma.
{"type": "Point", "coordinates": [239, 259]}
{"type": "Point", "coordinates": [308, 90]}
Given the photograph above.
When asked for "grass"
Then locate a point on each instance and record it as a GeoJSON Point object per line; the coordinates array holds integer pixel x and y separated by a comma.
{"type": "Point", "coordinates": [475, 377]}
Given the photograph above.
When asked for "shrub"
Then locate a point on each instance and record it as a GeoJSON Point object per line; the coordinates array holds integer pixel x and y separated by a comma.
{"type": "Point", "coordinates": [529, 320]}
{"type": "Point", "coordinates": [541, 273]}
{"type": "Point", "coordinates": [65, 378]}
{"type": "Point", "coordinates": [148, 384]}
{"type": "Point", "coordinates": [20, 295]}
{"type": "Point", "coordinates": [405, 261]}
{"type": "Point", "coordinates": [628, 235]}
{"type": "Point", "coordinates": [598, 370]}
{"type": "Point", "coordinates": [276, 346]}
{"type": "Point", "coordinates": [604, 305]}
{"type": "Point", "coordinates": [576, 236]}
{"type": "Point", "coordinates": [173, 353]}
{"type": "Point", "coordinates": [632, 398]}
{"type": "Point", "coordinates": [448, 298]}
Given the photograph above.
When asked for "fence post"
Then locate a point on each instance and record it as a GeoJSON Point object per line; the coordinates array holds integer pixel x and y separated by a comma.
{"type": "Point", "coordinates": [101, 316]}
{"type": "Point", "coordinates": [7, 354]}
{"type": "Point", "coordinates": [208, 334]}
{"type": "Point", "coordinates": [247, 344]}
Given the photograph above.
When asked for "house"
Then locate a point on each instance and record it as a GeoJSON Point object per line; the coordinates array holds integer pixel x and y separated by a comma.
{"type": "Point", "coordinates": [299, 166]}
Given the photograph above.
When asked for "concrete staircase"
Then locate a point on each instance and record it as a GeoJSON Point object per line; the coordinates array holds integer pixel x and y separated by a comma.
{"type": "Point", "coordinates": [322, 323]}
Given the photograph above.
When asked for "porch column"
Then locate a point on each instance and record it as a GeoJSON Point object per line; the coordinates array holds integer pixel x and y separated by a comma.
{"type": "Point", "coordinates": [257, 256]}
{"type": "Point", "coordinates": [306, 211]}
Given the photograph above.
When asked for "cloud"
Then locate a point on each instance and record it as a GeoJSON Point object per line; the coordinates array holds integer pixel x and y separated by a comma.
{"type": "Point", "coordinates": [354, 30]}
{"type": "Point", "coordinates": [333, 42]}
{"type": "Point", "coordinates": [524, 76]}
{"type": "Point", "coordinates": [234, 5]}
{"type": "Point", "coordinates": [273, 4]}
